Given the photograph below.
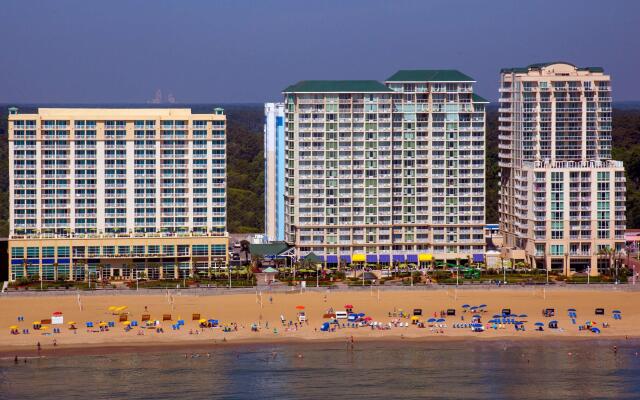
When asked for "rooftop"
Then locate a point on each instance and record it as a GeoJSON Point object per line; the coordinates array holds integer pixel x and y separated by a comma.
{"type": "Point", "coordinates": [541, 65]}
{"type": "Point", "coordinates": [337, 87]}
{"type": "Point", "coordinates": [429, 75]}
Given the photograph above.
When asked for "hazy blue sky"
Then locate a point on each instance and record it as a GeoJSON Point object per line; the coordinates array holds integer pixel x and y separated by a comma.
{"type": "Point", "coordinates": [247, 51]}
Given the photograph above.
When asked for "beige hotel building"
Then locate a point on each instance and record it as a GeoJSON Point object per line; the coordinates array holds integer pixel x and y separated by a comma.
{"type": "Point", "coordinates": [116, 193]}
{"type": "Point", "coordinates": [562, 197]}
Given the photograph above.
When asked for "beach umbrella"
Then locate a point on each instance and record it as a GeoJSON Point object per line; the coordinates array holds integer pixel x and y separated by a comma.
{"type": "Point", "coordinates": [553, 322]}
{"type": "Point", "coordinates": [368, 318]}
{"type": "Point", "coordinates": [595, 330]}
{"type": "Point", "coordinates": [571, 309]}
{"type": "Point", "coordinates": [111, 308]}
{"type": "Point", "coordinates": [126, 323]}
{"type": "Point", "coordinates": [13, 327]}
{"type": "Point", "coordinates": [71, 322]}
{"type": "Point", "coordinates": [482, 306]}
{"type": "Point", "coordinates": [476, 325]}
{"type": "Point", "coordinates": [616, 311]}
{"type": "Point", "coordinates": [539, 324]}
{"type": "Point", "coordinates": [476, 316]}
{"type": "Point", "coordinates": [497, 315]}
{"type": "Point", "coordinates": [360, 315]}
{"type": "Point", "coordinates": [473, 308]}
{"type": "Point", "coordinates": [299, 307]}
{"type": "Point", "coordinates": [348, 306]}
{"type": "Point", "coordinates": [439, 320]}
{"type": "Point", "coordinates": [202, 321]}
{"type": "Point", "coordinates": [523, 316]}
{"type": "Point", "coordinates": [102, 324]}
{"type": "Point", "coordinates": [431, 320]}
{"type": "Point", "coordinates": [465, 306]}
{"type": "Point", "coordinates": [493, 321]}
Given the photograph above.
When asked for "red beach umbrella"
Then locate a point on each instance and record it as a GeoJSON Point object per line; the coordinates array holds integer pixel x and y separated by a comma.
{"type": "Point", "coordinates": [299, 307]}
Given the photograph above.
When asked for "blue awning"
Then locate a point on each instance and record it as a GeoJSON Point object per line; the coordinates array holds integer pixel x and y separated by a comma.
{"type": "Point", "coordinates": [332, 259]}
{"type": "Point", "coordinates": [398, 257]}
{"type": "Point", "coordinates": [48, 261]}
{"type": "Point", "coordinates": [64, 260]}
{"type": "Point", "coordinates": [346, 258]}
{"type": "Point", "coordinates": [384, 258]}
{"type": "Point", "coordinates": [413, 258]}
{"type": "Point", "coordinates": [478, 258]}
{"type": "Point", "coordinates": [371, 258]}
{"type": "Point", "coordinates": [17, 262]}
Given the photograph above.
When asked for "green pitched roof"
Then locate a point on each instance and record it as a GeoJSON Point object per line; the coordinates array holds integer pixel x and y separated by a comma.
{"type": "Point", "coordinates": [546, 64]}
{"type": "Point", "coordinates": [269, 249]}
{"type": "Point", "coordinates": [479, 99]}
{"type": "Point", "coordinates": [313, 258]}
{"type": "Point", "coordinates": [337, 87]}
{"type": "Point", "coordinates": [429, 75]}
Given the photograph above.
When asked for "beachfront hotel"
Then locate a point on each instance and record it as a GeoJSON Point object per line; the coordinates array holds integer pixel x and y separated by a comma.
{"type": "Point", "coordinates": [116, 193]}
{"type": "Point", "coordinates": [562, 197]}
{"type": "Point", "coordinates": [274, 171]}
{"type": "Point", "coordinates": [386, 172]}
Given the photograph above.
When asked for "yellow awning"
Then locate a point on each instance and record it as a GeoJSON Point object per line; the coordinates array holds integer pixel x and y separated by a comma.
{"type": "Point", "coordinates": [13, 327]}
{"type": "Point", "coordinates": [358, 258]}
{"type": "Point", "coordinates": [425, 257]}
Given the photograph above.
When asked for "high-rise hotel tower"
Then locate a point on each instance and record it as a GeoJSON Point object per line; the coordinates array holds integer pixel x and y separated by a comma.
{"type": "Point", "coordinates": [562, 198]}
{"type": "Point", "coordinates": [274, 171]}
{"type": "Point", "coordinates": [389, 172]}
{"type": "Point", "coordinates": [120, 193]}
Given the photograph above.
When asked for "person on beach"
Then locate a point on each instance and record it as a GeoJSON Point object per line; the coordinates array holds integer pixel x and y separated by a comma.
{"type": "Point", "coordinates": [270, 300]}
{"type": "Point", "coordinates": [39, 347]}
{"type": "Point", "coordinates": [15, 360]}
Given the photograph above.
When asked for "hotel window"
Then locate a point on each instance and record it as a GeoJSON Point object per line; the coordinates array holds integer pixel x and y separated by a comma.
{"type": "Point", "coordinates": [138, 250]}
{"type": "Point", "coordinates": [33, 252]}
{"type": "Point", "coordinates": [94, 251]}
{"type": "Point", "coordinates": [48, 252]}
{"type": "Point", "coordinates": [108, 250]}
{"type": "Point", "coordinates": [17, 252]}
{"type": "Point", "coordinates": [200, 250]}
{"type": "Point", "coordinates": [168, 250]}
{"type": "Point", "coordinates": [123, 250]}
{"type": "Point", "coordinates": [154, 249]}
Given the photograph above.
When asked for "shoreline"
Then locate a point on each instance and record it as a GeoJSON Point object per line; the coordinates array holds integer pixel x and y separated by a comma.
{"type": "Point", "coordinates": [95, 349]}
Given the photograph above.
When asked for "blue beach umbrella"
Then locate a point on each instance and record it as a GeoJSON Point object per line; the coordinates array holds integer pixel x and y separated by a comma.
{"type": "Point", "coordinates": [465, 306]}
{"type": "Point", "coordinates": [553, 322]}
{"type": "Point", "coordinates": [539, 324]}
{"type": "Point", "coordinates": [476, 316]}
{"type": "Point", "coordinates": [497, 315]}
{"type": "Point", "coordinates": [440, 320]}
{"type": "Point", "coordinates": [523, 316]}
{"type": "Point", "coordinates": [360, 315]}
{"type": "Point", "coordinates": [595, 330]}
{"type": "Point", "coordinates": [616, 312]}
{"type": "Point", "coordinates": [482, 306]}
{"type": "Point", "coordinates": [476, 325]}
{"type": "Point", "coordinates": [431, 320]}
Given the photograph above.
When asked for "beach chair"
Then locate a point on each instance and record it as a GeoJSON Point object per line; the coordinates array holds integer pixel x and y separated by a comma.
{"type": "Point", "coordinates": [89, 324]}
{"type": "Point", "coordinates": [123, 317]}
{"type": "Point", "coordinates": [145, 317]}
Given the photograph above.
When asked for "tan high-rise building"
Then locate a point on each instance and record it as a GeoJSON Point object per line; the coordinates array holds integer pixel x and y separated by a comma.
{"type": "Point", "coordinates": [386, 173]}
{"type": "Point", "coordinates": [562, 198]}
{"type": "Point", "coordinates": [122, 193]}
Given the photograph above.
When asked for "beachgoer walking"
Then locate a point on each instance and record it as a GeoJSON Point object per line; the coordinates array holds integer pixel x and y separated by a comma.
{"type": "Point", "coordinates": [15, 360]}
{"type": "Point", "coordinates": [55, 343]}
{"type": "Point", "coordinates": [39, 347]}
{"type": "Point", "coordinates": [270, 300]}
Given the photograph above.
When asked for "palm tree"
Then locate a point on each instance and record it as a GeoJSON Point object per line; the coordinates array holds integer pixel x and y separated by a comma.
{"type": "Point", "coordinates": [609, 253]}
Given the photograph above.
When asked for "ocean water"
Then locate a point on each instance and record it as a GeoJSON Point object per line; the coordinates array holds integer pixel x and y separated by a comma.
{"type": "Point", "coordinates": [410, 370]}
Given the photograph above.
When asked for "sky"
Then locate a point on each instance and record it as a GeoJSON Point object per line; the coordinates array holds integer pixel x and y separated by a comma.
{"type": "Point", "coordinates": [123, 51]}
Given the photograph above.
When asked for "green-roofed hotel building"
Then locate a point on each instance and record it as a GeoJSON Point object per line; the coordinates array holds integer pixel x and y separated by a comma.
{"type": "Point", "coordinates": [562, 197]}
{"type": "Point", "coordinates": [386, 172]}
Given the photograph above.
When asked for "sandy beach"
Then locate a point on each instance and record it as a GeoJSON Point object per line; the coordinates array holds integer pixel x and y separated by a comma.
{"type": "Point", "coordinates": [266, 310]}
